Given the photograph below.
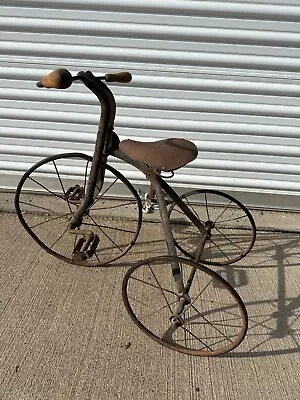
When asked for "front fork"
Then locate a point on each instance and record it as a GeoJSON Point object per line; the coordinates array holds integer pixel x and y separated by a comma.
{"type": "Point", "coordinates": [182, 290]}
{"type": "Point", "coordinates": [87, 244]}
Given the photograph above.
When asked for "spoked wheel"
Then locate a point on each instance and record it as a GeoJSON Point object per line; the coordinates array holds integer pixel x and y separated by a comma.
{"type": "Point", "coordinates": [50, 192]}
{"type": "Point", "coordinates": [212, 321]}
{"type": "Point", "coordinates": [230, 227]}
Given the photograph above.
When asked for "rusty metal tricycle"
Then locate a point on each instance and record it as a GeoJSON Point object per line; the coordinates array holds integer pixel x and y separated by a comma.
{"type": "Point", "coordinates": [72, 205]}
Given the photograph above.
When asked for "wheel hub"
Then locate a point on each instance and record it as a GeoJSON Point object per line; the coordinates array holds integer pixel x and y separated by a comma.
{"type": "Point", "coordinates": [209, 225]}
{"type": "Point", "coordinates": [177, 321]}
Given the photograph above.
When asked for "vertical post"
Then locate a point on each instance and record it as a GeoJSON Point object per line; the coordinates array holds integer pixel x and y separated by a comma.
{"type": "Point", "coordinates": [176, 270]}
{"type": "Point", "coordinates": [106, 122]}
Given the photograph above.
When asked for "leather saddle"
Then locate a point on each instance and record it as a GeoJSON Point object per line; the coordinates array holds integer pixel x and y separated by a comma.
{"type": "Point", "coordinates": [162, 155]}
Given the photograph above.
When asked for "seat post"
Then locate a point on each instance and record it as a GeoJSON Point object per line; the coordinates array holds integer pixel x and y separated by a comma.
{"type": "Point", "coordinates": [176, 272]}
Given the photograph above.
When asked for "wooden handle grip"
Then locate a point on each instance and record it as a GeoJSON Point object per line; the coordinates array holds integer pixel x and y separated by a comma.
{"type": "Point", "coordinates": [57, 79]}
{"type": "Point", "coordinates": [121, 77]}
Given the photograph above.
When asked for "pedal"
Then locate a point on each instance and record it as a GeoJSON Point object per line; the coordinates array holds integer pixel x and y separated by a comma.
{"type": "Point", "coordinates": [148, 208]}
{"type": "Point", "coordinates": [85, 248]}
{"type": "Point", "coordinates": [75, 193]}
{"type": "Point", "coordinates": [149, 204]}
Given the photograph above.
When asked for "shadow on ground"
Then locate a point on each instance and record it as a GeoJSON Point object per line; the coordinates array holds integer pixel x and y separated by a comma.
{"type": "Point", "coordinates": [64, 332]}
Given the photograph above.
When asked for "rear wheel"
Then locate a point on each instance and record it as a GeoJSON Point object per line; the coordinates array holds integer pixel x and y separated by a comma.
{"type": "Point", "coordinates": [230, 227]}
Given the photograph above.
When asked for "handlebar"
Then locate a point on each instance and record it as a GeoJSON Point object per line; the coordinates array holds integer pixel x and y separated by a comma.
{"type": "Point", "coordinates": [62, 79]}
{"type": "Point", "coordinates": [121, 77]}
{"type": "Point", "coordinates": [106, 137]}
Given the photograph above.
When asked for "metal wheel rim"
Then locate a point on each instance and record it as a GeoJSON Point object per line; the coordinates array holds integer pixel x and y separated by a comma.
{"type": "Point", "coordinates": [181, 349]}
{"type": "Point", "coordinates": [40, 242]}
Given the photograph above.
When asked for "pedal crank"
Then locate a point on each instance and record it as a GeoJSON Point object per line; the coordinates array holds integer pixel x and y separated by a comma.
{"type": "Point", "coordinates": [86, 247]}
{"type": "Point", "coordinates": [75, 194]}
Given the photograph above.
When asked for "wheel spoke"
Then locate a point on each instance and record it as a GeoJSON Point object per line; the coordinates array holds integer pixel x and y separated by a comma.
{"type": "Point", "coordinates": [179, 211]}
{"type": "Point", "coordinates": [47, 190]}
{"type": "Point", "coordinates": [129, 203]}
{"type": "Point", "coordinates": [211, 324]}
{"type": "Point", "coordinates": [48, 210]}
{"type": "Point", "coordinates": [109, 187]}
{"type": "Point", "coordinates": [49, 220]}
{"type": "Point", "coordinates": [206, 206]}
{"type": "Point", "coordinates": [59, 237]}
{"type": "Point", "coordinates": [156, 311]}
{"type": "Point", "coordinates": [194, 211]}
{"type": "Point", "coordinates": [223, 212]}
{"type": "Point", "coordinates": [152, 285]}
{"type": "Point", "coordinates": [102, 194]}
{"type": "Point", "coordinates": [229, 240]}
{"type": "Point", "coordinates": [162, 291]}
{"type": "Point", "coordinates": [108, 237]}
{"type": "Point", "coordinates": [98, 259]}
{"type": "Point", "coordinates": [234, 219]}
{"type": "Point", "coordinates": [196, 337]}
{"type": "Point", "coordinates": [108, 227]}
{"type": "Point", "coordinates": [197, 297]}
{"type": "Point", "coordinates": [219, 248]}
{"type": "Point", "coordinates": [210, 250]}
{"type": "Point", "coordinates": [85, 176]}
{"type": "Point", "coordinates": [61, 184]}
{"type": "Point", "coordinates": [185, 338]}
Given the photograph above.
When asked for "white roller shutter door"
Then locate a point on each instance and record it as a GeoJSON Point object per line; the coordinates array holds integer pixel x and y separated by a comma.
{"type": "Point", "coordinates": [222, 74]}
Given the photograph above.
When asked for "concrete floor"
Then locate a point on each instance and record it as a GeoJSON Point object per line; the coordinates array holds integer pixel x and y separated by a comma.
{"type": "Point", "coordinates": [65, 334]}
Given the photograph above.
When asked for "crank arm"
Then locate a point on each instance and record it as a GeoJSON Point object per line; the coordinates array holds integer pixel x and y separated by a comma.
{"type": "Point", "coordinates": [83, 232]}
{"type": "Point", "coordinates": [168, 335]}
{"type": "Point", "coordinates": [86, 246]}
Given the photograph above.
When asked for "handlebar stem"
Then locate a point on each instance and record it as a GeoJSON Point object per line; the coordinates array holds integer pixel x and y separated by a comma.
{"type": "Point", "coordinates": [106, 123]}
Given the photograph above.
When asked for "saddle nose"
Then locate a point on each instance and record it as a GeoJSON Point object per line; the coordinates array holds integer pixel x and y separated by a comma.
{"type": "Point", "coordinates": [162, 155]}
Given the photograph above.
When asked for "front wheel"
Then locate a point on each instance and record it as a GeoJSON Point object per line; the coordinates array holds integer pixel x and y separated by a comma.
{"type": "Point", "coordinates": [50, 192]}
{"type": "Point", "coordinates": [212, 319]}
